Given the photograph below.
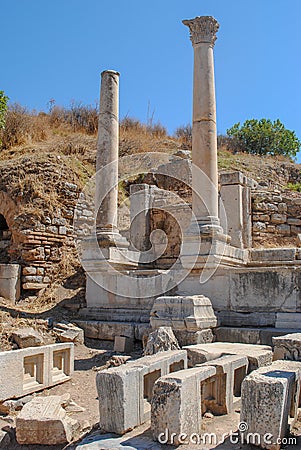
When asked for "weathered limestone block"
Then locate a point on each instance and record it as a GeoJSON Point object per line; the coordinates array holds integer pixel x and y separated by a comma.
{"type": "Point", "coordinates": [34, 368]}
{"type": "Point", "coordinates": [10, 276]}
{"type": "Point", "coordinates": [123, 344]}
{"type": "Point", "coordinates": [273, 254]}
{"type": "Point", "coordinates": [287, 347]}
{"type": "Point", "coordinates": [258, 355]}
{"type": "Point", "coordinates": [220, 393]}
{"type": "Point", "coordinates": [269, 396]}
{"type": "Point", "coordinates": [96, 329]}
{"type": "Point", "coordinates": [186, 314]}
{"type": "Point", "coordinates": [288, 319]}
{"type": "Point", "coordinates": [68, 332]}
{"type": "Point", "coordinates": [125, 392]}
{"type": "Point", "coordinates": [161, 340]}
{"type": "Point", "coordinates": [176, 403]}
{"type": "Point", "coordinates": [43, 421]}
{"type": "Point", "coordinates": [194, 337]}
{"type": "Point", "coordinates": [27, 337]}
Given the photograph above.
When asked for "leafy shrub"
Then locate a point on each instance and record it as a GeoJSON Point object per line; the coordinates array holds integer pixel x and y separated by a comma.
{"type": "Point", "coordinates": [264, 137]}
{"type": "Point", "coordinates": [294, 186]}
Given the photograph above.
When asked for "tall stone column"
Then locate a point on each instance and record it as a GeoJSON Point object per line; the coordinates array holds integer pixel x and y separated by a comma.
{"type": "Point", "coordinates": [204, 137]}
{"type": "Point", "coordinates": [107, 157]}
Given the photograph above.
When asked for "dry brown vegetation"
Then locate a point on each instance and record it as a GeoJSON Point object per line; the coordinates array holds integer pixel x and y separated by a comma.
{"type": "Point", "coordinates": [41, 151]}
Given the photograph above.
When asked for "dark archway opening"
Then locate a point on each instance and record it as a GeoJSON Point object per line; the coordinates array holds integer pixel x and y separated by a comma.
{"type": "Point", "coordinates": [5, 240]}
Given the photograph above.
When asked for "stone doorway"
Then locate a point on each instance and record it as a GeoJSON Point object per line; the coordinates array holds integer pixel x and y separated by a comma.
{"type": "Point", "coordinates": [5, 240]}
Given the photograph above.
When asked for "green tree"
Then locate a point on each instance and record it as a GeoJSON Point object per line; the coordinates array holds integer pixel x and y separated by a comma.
{"type": "Point", "coordinates": [264, 137]}
{"type": "Point", "coordinates": [3, 107]}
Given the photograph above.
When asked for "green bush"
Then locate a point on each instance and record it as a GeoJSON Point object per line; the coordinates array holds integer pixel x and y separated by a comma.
{"type": "Point", "coordinates": [3, 108]}
{"type": "Point", "coordinates": [264, 137]}
{"type": "Point", "coordinates": [294, 187]}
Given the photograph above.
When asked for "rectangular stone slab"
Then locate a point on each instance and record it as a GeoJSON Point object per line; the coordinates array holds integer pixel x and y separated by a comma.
{"type": "Point", "coordinates": [258, 355]}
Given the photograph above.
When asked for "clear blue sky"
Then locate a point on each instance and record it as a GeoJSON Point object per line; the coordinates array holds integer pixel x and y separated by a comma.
{"type": "Point", "coordinates": [57, 49]}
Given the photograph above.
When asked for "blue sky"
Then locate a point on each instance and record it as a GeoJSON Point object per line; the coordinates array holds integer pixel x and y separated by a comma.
{"type": "Point", "coordinates": [57, 49]}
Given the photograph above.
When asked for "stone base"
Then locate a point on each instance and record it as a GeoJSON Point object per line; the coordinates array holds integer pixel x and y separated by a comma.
{"type": "Point", "coordinates": [257, 336]}
{"type": "Point", "coordinates": [201, 250]}
{"type": "Point", "coordinates": [107, 238]}
{"type": "Point", "coordinates": [235, 290]}
{"type": "Point", "coordinates": [183, 312]}
{"type": "Point", "coordinates": [95, 329]}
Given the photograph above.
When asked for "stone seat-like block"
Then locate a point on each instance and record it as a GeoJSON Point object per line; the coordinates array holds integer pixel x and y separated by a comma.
{"type": "Point", "coordinates": [258, 355]}
{"type": "Point", "coordinates": [269, 396]}
{"type": "Point", "coordinates": [287, 347]}
{"type": "Point", "coordinates": [125, 392]}
{"type": "Point", "coordinates": [34, 368]}
{"type": "Point", "coordinates": [176, 403]}
{"type": "Point", "coordinates": [219, 393]}
{"type": "Point", "coordinates": [43, 421]}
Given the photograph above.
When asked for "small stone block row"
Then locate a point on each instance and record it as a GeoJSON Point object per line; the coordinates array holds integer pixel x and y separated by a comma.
{"type": "Point", "coordinates": [125, 392]}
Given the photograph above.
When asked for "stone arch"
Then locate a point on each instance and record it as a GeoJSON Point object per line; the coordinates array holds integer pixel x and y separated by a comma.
{"type": "Point", "coordinates": [8, 209]}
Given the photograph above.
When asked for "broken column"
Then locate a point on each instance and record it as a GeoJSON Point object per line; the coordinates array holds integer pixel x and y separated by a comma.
{"type": "Point", "coordinates": [107, 162]}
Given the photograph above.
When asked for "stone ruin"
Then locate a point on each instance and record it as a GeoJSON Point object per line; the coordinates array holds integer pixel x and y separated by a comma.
{"type": "Point", "coordinates": [214, 304]}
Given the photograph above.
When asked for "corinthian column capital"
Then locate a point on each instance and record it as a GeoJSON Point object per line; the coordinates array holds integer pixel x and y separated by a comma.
{"type": "Point", "coordinates": [203, 29]}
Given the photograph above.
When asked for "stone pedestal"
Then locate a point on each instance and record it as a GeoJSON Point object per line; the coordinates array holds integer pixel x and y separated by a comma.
{"type": "Point", "coordinates": [191, 317]}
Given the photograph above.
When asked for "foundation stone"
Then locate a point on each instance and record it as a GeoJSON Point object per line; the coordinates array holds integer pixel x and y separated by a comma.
{"type": "Point", "coordinates": [43, 421]}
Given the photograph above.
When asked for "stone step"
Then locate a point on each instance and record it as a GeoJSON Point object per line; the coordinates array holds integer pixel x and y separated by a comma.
{"type": "Point", "coordinates": [244, 335]}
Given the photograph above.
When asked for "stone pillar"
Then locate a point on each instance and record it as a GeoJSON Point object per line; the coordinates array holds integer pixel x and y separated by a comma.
{"type": "Point", "coordinates": [141, 198]}
{"type": "Point", "coordinates": [107, 155]}
{"type": "Point", "coordinates": [204, 137]}
{"type": "Point", "coordinates": [235, 195]}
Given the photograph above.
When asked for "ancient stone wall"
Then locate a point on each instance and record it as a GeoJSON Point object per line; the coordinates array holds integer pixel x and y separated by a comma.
{"type": "Point", "coordinates": [38, 243]}
{"type": "Point", "coordinates": [275, 216]}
